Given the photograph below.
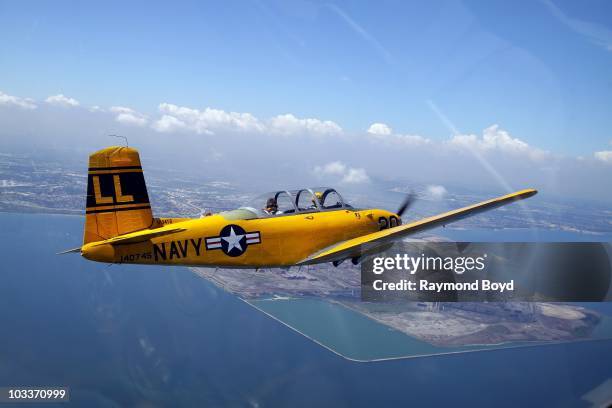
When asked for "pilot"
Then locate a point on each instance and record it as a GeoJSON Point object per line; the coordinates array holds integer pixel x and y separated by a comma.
{"type": "Point", "coordinates": [271, 206]}
{"type": "Point", "coordinates": [317, 196]}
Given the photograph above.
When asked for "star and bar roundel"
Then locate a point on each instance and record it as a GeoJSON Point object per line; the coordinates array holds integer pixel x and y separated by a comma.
{"type": "Point", "coordinates": [233, 240]}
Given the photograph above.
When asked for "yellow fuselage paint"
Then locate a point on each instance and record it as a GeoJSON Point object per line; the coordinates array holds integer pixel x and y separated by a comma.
{"type": "Point", "coordinates": [283, 240]}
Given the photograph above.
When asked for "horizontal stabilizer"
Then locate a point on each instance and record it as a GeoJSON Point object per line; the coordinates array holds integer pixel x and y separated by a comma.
{"type": "Point", "coordinates": [131, 238]}
{"type": "Point", "coordinates": [140, 236]}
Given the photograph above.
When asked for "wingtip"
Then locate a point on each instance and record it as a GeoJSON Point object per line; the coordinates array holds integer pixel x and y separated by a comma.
{"type": "Point", "coordinates": [526, 193]}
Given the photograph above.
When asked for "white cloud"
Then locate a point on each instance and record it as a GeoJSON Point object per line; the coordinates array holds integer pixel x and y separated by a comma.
{"type": "Point", "coordinates": [379, 129]}
{"type": "Point", "coordinates": [410, 139]}
{"type": "Point", "coordinates": [131, 119]}
{"type": "Point", "coordinates": [129, 116]}
{"type": "Point", "coordinates": [62, 100]}
{"type": "Point", "coordinates": [501, 158]}
{"type": "Point", "coordinates": [168, 124]}
{"type": "Point", "coordinates": [9, 100]}
{"type": "Point", "coordinates": [355, 176]}
{"type": "Point", "coordinates": [381, 132]}
{"type": "Point", "coordinates": [210, 121]}
{"type": "Point", "coordinates": [496, 139]}
{"type": "Point", "coordinates": [604, 156]}
{"type": "Point", "coordinates": [206, 121]}
{"type": "Point", "coordinates": [435, 192]}
{"type": "Point", "coordinates": [345, 174]}
{"type": "Point", "coordinates": [288, 124]}
{"type": "Point", "coordinates": [335, 168]}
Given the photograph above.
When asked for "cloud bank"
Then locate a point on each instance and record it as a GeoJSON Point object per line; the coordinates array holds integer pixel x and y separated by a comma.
{"type": "Point", "coordinates": [435, 192]}
{"type": "Point", "coordinates": [381, 132]}
{"type": "Point", "coordinates": [62, 100]}
{"type": "Point", "coordinates": [129, 116]}
{"type": "Point", "coordinates": [210, 121]}
{"type": "Point", "coordinates": [342, 172]}
{"type": "Point", "coordinates": [23, 103]}
{"type": "Point", "coordinates": [604, 156]}
{"type": "Point", "coordinates": [289, 150]}
{"type": "Point", "coordinates": [496, 139]}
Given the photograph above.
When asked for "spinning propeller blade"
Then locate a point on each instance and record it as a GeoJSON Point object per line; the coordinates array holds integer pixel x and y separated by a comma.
{"type": "Point", "coordinates": [407, 203]}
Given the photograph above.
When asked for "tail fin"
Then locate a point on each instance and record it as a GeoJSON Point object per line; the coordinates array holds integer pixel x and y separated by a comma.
{"type": "Point", "coordinates": [117, 199]}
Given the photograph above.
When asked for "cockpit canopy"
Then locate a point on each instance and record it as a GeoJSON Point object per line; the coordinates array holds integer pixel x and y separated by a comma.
{"type": "Point", "coordinates": [285, 202]}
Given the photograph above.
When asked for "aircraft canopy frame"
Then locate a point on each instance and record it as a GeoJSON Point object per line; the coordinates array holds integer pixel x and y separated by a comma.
{"type": "Point", "coordinates": [301, 201]}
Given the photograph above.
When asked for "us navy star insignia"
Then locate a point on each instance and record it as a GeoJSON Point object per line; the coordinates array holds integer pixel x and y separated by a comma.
{"type": "Point", "coordinates": [233, 240]}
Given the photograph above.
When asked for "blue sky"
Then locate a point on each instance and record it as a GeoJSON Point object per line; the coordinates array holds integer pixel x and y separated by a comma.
{"type": "Point", "coordinates": [541, 70]}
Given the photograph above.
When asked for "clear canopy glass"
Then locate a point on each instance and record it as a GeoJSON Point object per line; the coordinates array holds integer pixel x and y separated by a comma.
{"type": "Point", "coordinates": [286, 202]}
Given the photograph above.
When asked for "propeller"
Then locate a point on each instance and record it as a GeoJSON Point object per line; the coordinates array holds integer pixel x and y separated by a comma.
{"type": "Point", "coordinates": [407, 203]}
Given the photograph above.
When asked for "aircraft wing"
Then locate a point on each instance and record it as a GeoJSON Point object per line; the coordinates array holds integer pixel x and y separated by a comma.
{"type": "Point", "coordinates": [379, 241]}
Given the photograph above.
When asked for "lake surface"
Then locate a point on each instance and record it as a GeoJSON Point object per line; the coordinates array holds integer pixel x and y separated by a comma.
{"type": "Point", "coordinates": [129, 335]}
{"type": "Point", "coordinates": [355, 336]}
{"type": "Point", "coordinates": [346, 332]}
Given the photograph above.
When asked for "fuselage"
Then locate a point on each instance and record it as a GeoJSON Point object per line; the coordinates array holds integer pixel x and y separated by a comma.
{"type": "Point", "coordinates": [224, 240]}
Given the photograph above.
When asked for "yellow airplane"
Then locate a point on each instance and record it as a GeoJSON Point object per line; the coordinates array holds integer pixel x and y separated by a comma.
{"type": "Point", "coordinates": [292, 228]}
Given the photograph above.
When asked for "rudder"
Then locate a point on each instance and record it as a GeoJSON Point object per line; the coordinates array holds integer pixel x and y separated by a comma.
{"type": "Point", "coordinates": [117, 199]}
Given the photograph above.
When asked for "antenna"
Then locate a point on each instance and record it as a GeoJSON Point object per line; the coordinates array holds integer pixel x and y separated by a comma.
{"type": "Point", "coordinates": [123, 137]}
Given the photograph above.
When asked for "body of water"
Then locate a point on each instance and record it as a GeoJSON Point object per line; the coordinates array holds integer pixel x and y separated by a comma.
{"type": "Point", "coordinates": [127, 335]}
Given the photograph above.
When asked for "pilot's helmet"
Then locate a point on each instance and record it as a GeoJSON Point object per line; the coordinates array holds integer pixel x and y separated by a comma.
{"type": "Point", "coordinates": [319, 196]}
